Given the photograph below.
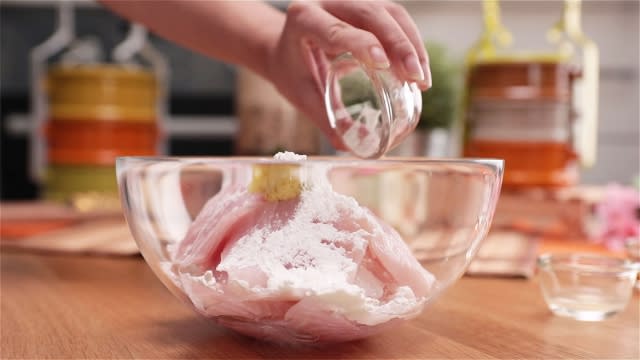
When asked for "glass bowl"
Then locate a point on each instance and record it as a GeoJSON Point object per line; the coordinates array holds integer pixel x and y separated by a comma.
{"type": "Point", "coordinates": [315, 251]}
{"type": "Point", "coordinates": [632, 247]}
{"type": "Point", "coordinates": [586, 287]}
{"type": "Point", "coordinates": [371, 110]}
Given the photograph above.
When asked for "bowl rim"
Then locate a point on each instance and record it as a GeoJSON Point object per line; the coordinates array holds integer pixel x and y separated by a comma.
{"type": "Point", "coordinates": [492, 162]}
{"type": "Point", "coordinates": [575, 261]}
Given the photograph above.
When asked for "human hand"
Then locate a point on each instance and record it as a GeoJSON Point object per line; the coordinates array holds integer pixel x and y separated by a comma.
{"type": "Point", "coordinates": [380, 34]}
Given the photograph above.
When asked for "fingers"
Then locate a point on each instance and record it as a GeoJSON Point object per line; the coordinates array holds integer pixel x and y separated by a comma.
{"type": "Point", "coordinates": [378, 34]}
{"type": "Point", "coordinates": [395, 29]}
{"type": "Point", "coordinates": [374, 17]}
{"type": "Point", "coordinates": [409, 27]}
{"type": "Point", "coordinates": [335, 36]}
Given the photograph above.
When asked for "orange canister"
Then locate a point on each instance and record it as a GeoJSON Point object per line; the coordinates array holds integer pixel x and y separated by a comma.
{"type": "Point", "coordinates": [97, 113]}
{"type": "Point", "coordinates": [99, 142]}
{"type": "Point", "coordinates": [521, 111]}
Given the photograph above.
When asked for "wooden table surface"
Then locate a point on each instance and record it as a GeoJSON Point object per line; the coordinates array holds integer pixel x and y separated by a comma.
{"type": "Point", "coordinates": [63, 306]}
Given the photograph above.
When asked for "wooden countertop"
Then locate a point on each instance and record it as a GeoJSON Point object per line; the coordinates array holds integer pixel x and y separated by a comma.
{"type": "Point", "coordinates": [62, 306]}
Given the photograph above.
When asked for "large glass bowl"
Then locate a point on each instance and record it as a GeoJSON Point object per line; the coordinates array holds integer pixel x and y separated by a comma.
{"type": "Point", "coordinates": [441, 210]}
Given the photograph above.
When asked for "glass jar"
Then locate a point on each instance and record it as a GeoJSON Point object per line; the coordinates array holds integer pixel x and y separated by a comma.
{"type": "Point", "coordinates": [521, 111]}
{"type": "Point", "coordinates": [535, 109]}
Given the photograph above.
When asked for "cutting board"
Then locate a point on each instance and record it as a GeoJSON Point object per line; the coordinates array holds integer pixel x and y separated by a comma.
{"type": "Point", "coordinates": [54, 227]}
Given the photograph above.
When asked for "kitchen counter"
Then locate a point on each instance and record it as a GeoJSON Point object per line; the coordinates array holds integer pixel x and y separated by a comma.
{"type": "Point", "coordinates": [64, 306]}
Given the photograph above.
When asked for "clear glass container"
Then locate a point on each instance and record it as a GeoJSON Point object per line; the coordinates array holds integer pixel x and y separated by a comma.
{"type": "Point", "coordinates": [398, 220]}
{"type": "Point", "coordinates": [632, 247]}
{"type": "Point", "coordinates": [586, 287]}
{"type": "Point", "coordinates": [536, 108]}
{"type": "Point", "coordinates": [371, 110]}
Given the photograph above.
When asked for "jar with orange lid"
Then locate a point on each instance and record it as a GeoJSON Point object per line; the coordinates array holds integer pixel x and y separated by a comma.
{"type": "Point", "coordinates": [97, 112]}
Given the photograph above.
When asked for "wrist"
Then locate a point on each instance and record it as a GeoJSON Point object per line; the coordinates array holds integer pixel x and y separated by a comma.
{"type": "Point", "coordinates": [267, 60]}
{"type": "Point", "coordinates": [261, 58]}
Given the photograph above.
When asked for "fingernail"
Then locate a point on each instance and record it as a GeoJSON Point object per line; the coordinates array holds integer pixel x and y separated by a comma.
{"type": "Point", "coordinates": [378, 57]}
{"type": "Point", "coordinates": [413, 69]}
{"type": "Point", "coordinates": [427, 74]}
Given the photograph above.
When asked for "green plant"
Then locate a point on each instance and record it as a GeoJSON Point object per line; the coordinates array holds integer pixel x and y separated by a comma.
{"type": "Point", "coordinates": [356, 89]}
{"type": "Point", "coordinates": [439, 104]}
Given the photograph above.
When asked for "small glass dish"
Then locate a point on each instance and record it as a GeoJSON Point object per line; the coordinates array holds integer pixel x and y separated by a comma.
{"type": "Point", "coordinates": [371, 110]}
{"type": "Point", "coordinates": [632, 246]}
{"type": "Point", "coordinates": [586, 287]}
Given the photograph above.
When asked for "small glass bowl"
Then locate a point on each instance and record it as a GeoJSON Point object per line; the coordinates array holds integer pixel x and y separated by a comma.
{"type": "Point", "coordinates": [633, 253]}
{"type": "Point", "coordinates": [370, 110]}
{"type": "Point", "coordinates": [586, 287]}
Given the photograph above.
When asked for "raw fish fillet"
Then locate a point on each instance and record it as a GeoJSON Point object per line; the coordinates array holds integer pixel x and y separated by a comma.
{"type": "Point", "coordinates": [314, 268]}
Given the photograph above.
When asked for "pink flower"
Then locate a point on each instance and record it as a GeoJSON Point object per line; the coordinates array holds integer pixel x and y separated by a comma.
{"type": "Point", "coordinates": [619, 216]}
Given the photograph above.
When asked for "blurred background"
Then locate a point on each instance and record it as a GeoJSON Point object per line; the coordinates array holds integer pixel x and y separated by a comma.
{"type": "Point", "coordinates": [211, 108]}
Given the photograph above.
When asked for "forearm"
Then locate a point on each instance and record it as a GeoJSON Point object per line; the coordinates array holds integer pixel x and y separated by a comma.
{"type": "Point", "coordinates": [238, 32]}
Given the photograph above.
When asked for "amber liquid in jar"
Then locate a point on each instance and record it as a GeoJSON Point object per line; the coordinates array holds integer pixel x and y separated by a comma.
{"type": "Point", "coordinates": [521, 111]}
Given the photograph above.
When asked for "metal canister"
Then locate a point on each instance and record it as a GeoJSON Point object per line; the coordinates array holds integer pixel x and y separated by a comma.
{"type": "Point", "coordinates": [97, 113]}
